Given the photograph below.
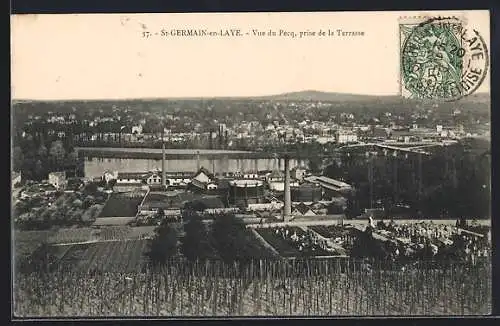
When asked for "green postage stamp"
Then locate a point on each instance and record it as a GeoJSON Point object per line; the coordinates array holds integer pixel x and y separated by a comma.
{"type": "Point", "coordinates": [441, 58]}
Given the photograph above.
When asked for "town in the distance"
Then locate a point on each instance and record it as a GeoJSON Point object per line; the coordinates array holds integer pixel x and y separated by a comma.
{"type": "Point", "coordinates": [353, 185]}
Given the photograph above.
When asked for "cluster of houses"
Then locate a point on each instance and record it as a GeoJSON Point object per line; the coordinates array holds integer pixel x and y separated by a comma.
{"type": "Point", "coordinates": [203, 180]}
{"type": "Point", "coordinates": [57, 181]}
{"type": "Point", "coordinates": [257, 193]}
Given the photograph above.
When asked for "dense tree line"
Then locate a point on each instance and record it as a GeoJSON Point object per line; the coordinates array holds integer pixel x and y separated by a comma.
{"type": "Point", "coordinates": [226, 238]}
{"type": "Point", "coordinates": [40, 152]}
{"type": "Point", "coordinates": [452, 182]}
{"type": "Point", "coordinates": [164, 244]}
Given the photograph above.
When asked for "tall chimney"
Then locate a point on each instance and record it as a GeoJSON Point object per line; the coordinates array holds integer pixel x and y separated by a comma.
{"type": "Point", "coordinates": [198, 160]}
{"type": "Point", "coordinates": [163, 179]}
{"type": "Point", "coordinates": [287, 212]}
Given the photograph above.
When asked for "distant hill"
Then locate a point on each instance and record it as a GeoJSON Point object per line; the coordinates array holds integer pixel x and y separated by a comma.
{"type": "Point", "coordinates": [307, 95]}
{"type": "Point", "coordinates": [311, 95]}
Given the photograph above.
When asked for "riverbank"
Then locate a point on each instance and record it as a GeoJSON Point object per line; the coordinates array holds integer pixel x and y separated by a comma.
{"type": "Point", "coordinates": [175, 154]}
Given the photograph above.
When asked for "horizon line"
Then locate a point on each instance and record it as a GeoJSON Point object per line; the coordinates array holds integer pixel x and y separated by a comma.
{"type": "Point", "coordinates": [201, 96]}
{"type": "Point", "coordinates": [219, 96]}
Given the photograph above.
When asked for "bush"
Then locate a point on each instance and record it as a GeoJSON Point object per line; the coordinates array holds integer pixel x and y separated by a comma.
{"type": "Point", "coordinates": [195, 244]}
{"type": "Point", "coordinates": [229, 237]}
{"type": "Point", "coordinates": [164, 244]}
{"type": "Point", "coordinates": [77, 203]}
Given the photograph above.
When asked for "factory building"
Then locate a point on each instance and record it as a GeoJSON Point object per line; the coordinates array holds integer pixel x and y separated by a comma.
{"type": "Point", "coordinates": [306, 192]}
{"type": "Point", "coordinates": [243, 192]}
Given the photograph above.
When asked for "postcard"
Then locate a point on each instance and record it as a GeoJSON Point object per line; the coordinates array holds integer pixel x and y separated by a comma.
{"type": "Point", "coordinates": [226, 165]}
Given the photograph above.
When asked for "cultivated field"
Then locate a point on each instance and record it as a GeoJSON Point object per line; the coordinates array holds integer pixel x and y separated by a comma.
{"type": "Point", "coordinates": [313, 288]}
{"type": "Point", "coordinates": [106, 256]}
{"type": "Point", "coordinates": [126, 232]}
{"type": "Point", "coordinates": [26, 243]}
{"type": "Point", "coordinates": [122, 204]}
{"type": "Point", "coordinates": [73, 235]}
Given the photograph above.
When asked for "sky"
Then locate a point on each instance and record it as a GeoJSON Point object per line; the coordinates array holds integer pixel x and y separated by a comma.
{"type": "Point", "coordinates": [105, 56]}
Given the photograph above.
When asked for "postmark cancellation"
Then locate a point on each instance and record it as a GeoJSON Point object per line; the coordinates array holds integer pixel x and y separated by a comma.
{"type": "Point", "coordinates": [441, 58]}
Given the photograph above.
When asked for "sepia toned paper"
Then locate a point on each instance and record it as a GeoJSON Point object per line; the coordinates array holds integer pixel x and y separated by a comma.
{"type": "Point", "coordinates": [268, 130]}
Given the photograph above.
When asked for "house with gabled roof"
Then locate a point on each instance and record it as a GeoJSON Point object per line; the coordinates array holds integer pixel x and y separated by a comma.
{"type": "Point", "coordinates": [204, 180]}
{"type": "Point", "coordinates": [153, 178]}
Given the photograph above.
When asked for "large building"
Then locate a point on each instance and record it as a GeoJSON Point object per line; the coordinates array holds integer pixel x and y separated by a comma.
{"type": "Point", "coordinates": [331, 188]}
{"type": "Point", "coordinates": [345, 137]}
{"type": "Point", "coordinates": [306, 192]}
{"type": "Point", "coordinates": [178, 179]}
{"type": "Point", "coordinates": [129, 181]}
{"type": "Point", "coordinates": [153, 178]}
{"type": "Point", "coordinates": [243, 192]}
{"type": "Point", "coordinates": [276, 181]}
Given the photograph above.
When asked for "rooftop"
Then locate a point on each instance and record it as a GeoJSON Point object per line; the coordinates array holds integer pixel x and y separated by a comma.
{"type": "Point", "coordinates": [246, 183]}
{"type": "Point", "coordinates": [168, 199]}
{"type": "Point", "coordinates": [132, 175]}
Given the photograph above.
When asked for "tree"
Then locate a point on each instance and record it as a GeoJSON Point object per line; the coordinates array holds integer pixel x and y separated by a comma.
{"type": "Point", "coordinates": [164, 245]}
{"type": "Point", "coordinates": [39, 171]}
{"type": "Point", "coordinates": [90, 189]}
{"type": "Point", "coordinates": [352, 209]}
{"type": "Point", "coordinates": [42, 151]}
{"type": "Point", "coordinates": [229, 237]}
{"type": "Point", "coordinates": [333, 171]}
{"type": "Point", "coordinates": [72, 157]}
{"type": "Point", "coordinates": [111, 184]}
{"type": "Point", "coordinates": [57, 152]}
{"type": "Point", "coordinates": [87, 202]}
{"type": "Point", "coordinates": [77, 203]}
{"type": "Point", "coordinates": [314, 164]}
{"type": "Point", "coordinates": [195, 244]}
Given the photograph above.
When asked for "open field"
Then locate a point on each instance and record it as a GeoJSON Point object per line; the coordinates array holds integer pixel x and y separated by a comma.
{"type": "Point", "coordinates": [107, 256]}
{"type": "Point", "coordinates": [121, 205]}
{"type": "Point", "coordinates": [271, 288]}
{"type": "Point", "coordinates": [27, 242]}
{"type": "Point", "coordinates": [126, 232]}
{"type": "Point", "coordinates": [73, 235]}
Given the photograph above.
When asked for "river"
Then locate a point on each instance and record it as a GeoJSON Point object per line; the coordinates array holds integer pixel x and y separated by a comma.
{"type": "Point", "coordinates": [96, 166]}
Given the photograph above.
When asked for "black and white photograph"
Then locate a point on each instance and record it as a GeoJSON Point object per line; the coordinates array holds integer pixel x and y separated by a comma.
{"type": "Point", "coordinates": [230, 165]}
